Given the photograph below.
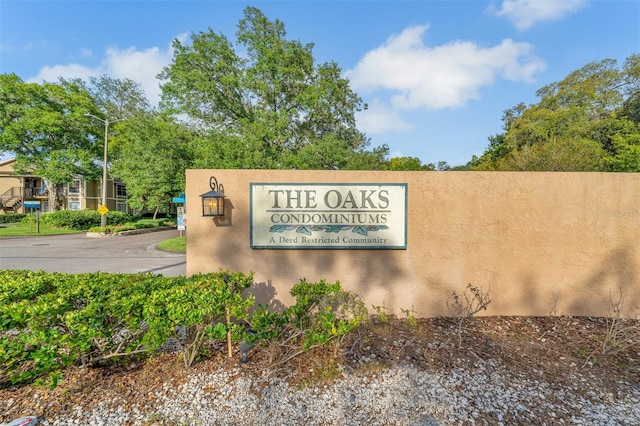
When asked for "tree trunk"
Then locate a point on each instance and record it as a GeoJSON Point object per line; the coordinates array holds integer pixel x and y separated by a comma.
{"type": "Point", "coordinates": [52, 197]}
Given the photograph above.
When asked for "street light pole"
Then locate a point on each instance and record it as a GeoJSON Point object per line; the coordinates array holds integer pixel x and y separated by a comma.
{"type": "Point", "coordinates": [103, 218]}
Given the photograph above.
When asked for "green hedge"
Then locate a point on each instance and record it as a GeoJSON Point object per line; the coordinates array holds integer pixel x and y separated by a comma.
{"type": "Point", "coordinates": [49, 321]}
{"type": "Point", "coordinates": [12, 217]}
{"type": "Point", "coordinates": [140, 224]}
{"type": "Point", "coordinates": [84, 219]}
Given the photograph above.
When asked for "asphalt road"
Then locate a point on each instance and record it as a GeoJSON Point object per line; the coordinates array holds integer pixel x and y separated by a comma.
{"type": "Point", "coordinates": [77, 253]}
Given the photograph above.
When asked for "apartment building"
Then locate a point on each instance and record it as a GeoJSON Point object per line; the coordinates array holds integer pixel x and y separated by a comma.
{"type": "Point", "coordinates": [79, 194]}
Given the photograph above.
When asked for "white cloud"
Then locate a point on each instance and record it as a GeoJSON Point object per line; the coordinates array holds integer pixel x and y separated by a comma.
{"type": "Point", "coordinates": [51, 74]}
{"type": "Point", "coordinates": [526, 13]}
{"type": "Point", "coordinates": [396, 153]}
{"type": "Point", "coordinates": [379, 118]}
{"type": "Point", "coordinates": [141, 66]}
{"type": "Point", "coordinates": [418, 76]}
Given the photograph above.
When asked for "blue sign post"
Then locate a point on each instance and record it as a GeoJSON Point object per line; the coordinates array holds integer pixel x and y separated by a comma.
{"type": "Point", "coordinates": [33, 205]}
{"type": "Point", "coordinates": [179, 198]}
{"type": "Point", "coordinates": [181, 217]}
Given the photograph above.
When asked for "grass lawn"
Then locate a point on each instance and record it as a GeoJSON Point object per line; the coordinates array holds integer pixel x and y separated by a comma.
{"type": "Point", "coordinates": [178, 244]}
{"type": "Point", "coordinates": [26, 229]}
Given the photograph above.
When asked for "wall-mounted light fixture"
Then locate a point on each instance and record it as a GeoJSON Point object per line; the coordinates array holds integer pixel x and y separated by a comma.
{"type": "Point", "coordinates": [213, 201]}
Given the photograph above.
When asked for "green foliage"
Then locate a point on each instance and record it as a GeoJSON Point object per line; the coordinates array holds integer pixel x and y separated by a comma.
{"type": "Point", "coordinates": [50, 321]}
{"type": "Point", "coordinates": [84, 219]}
{"type": "Point", "coordinates": [559, 155]}
{"type": "Point", "coordinates": [322, 312]}
{"type": "Point", "coordinates": [586, 122]}
{"type": "Point", "coordinates": [12, 217]}
{"type": "Point", "coordinates": [410, 318]}
{"type": "Point", "coordinates": [117, 99]}
{"type": "Point", "coordinates": [627, 153]}
{"type": "Point", "coordinates": [140, 224]}
{"type": "Point", "coordinates": [199, 310]}
{"type": "Point", "coordinates": [381, 314]}
{"type": "Point", "coordinates": [268, 105]}
{"type": "Point", "coordinates": [44, 125]}
{"type": "Point", "coordinates": [409, 163]}
{"type": "Point", "coordinates": [151, 157]}
{"type": "Point", "coordinates": [363, 159]}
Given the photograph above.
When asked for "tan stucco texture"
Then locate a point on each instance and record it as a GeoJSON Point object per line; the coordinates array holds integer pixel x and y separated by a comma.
{"type": "Point", "coordinates": [537, 243]}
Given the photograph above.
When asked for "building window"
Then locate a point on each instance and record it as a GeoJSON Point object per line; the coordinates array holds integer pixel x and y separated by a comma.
{"type": "Point", "coordinates": [43, 188]}
{"type": "Point", "coordinates": [74, 205]}
{"type": "Point", "coordinates": [121, 207]}
{"type": "Point", "coordinates": [74, 187]}
{"type": "Point", "coordinates": [121, 190]}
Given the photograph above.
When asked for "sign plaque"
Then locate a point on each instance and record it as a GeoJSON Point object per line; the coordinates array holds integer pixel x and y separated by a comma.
{"type": "Point", "coordinates": [328, 215]}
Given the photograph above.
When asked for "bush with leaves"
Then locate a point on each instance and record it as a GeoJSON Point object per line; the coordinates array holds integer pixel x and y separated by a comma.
{"type": "Point", "coordinates": [206, 307]}
{"type": "Point", "coordinates": [52, 320]}
{"type": "Point", "coordinates": [322, 313]}
{"type": "Point", "coordinates": [49, 321]}
{"type": "Point", "coordinates": [12, 217]}
{"type": "Point", "coordinates": [84, 219]}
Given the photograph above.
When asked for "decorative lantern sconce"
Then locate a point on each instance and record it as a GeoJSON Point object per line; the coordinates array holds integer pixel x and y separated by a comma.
{"type": "Point", "coordinates": [213, 201]}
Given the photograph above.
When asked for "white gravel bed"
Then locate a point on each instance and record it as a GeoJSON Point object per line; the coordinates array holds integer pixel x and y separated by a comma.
{"type": "Point", "coordinates": [487, 394]}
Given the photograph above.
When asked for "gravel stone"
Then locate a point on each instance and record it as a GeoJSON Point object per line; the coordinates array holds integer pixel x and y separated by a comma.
{"type": "Point", "coordinates": [402, 395]}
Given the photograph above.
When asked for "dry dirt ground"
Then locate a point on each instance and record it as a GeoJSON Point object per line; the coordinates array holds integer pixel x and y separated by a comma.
{"type": "Point", "coordinates": [547, 348]}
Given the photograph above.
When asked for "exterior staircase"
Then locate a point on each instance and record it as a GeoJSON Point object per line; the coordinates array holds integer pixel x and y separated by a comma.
{"type": "Point", "coordinates": [11, 200]}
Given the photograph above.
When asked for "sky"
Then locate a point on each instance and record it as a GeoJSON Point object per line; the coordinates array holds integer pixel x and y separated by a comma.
{"type": "Point", "coordinates": [436, 75]}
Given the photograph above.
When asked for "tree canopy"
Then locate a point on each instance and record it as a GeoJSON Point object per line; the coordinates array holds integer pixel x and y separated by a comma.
{"type": "Point", "coordinates": [270, 106]}
{"type": "Point", "coordinates": [152, 156]}
{"type": "Point", "coordinates": [47, 128]}
{"type": "Point", "coordinates": [263, 102]}
{"type": "Point", "coordinates": [589, 121]}
{"type": "Point", "coordinates": [44, 126]}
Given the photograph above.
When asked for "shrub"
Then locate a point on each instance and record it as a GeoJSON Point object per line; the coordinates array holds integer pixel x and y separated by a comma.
{"type": "Point", "coordinates": [207, 307]}
{"type": "Point", "coordinates": [49, 321]}
{"type": "Point", "coordinates": [12, 217]}
{"type": "Point", "coordinates": [84, 219]}
{"type": "Point", "coordinates": [52, 320]}
{"type": "Point", "coordinates": [323, 312]}
{"type": "Point", "coordinates": [81, 219]}
{"type": "Point", "coordinates": [114, 229]}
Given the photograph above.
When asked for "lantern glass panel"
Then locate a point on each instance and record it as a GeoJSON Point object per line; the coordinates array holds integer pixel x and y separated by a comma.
{"type": "Point", "coordinates": [212, 205]}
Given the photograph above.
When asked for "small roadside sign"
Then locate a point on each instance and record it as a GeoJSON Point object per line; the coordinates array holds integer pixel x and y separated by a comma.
{"type": "Point", "coordinates": [182, 219]}
{"type": "Point", "coordinates": [103, 210]}
{"type": "Point", "coordinates": [33, 205]}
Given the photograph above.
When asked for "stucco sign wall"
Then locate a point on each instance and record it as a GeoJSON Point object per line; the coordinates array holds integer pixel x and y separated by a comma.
{"type": "Point", "coordinates": [537, 242]}
{"type": "Point", "coordinates": [328, 216]}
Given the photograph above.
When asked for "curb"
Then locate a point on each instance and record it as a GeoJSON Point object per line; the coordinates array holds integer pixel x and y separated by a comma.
{"type": "Point", "coordinates": [131, 232]}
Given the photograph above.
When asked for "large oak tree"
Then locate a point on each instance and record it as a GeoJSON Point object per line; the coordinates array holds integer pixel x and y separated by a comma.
{"type": "Point", "coordinates": [267, 105]}
{"type": "Point", "coordinates": [588, 121]}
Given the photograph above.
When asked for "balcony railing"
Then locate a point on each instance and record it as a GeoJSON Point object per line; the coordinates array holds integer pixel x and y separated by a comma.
{"type": "Point", "coordinates": [36, 193]}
